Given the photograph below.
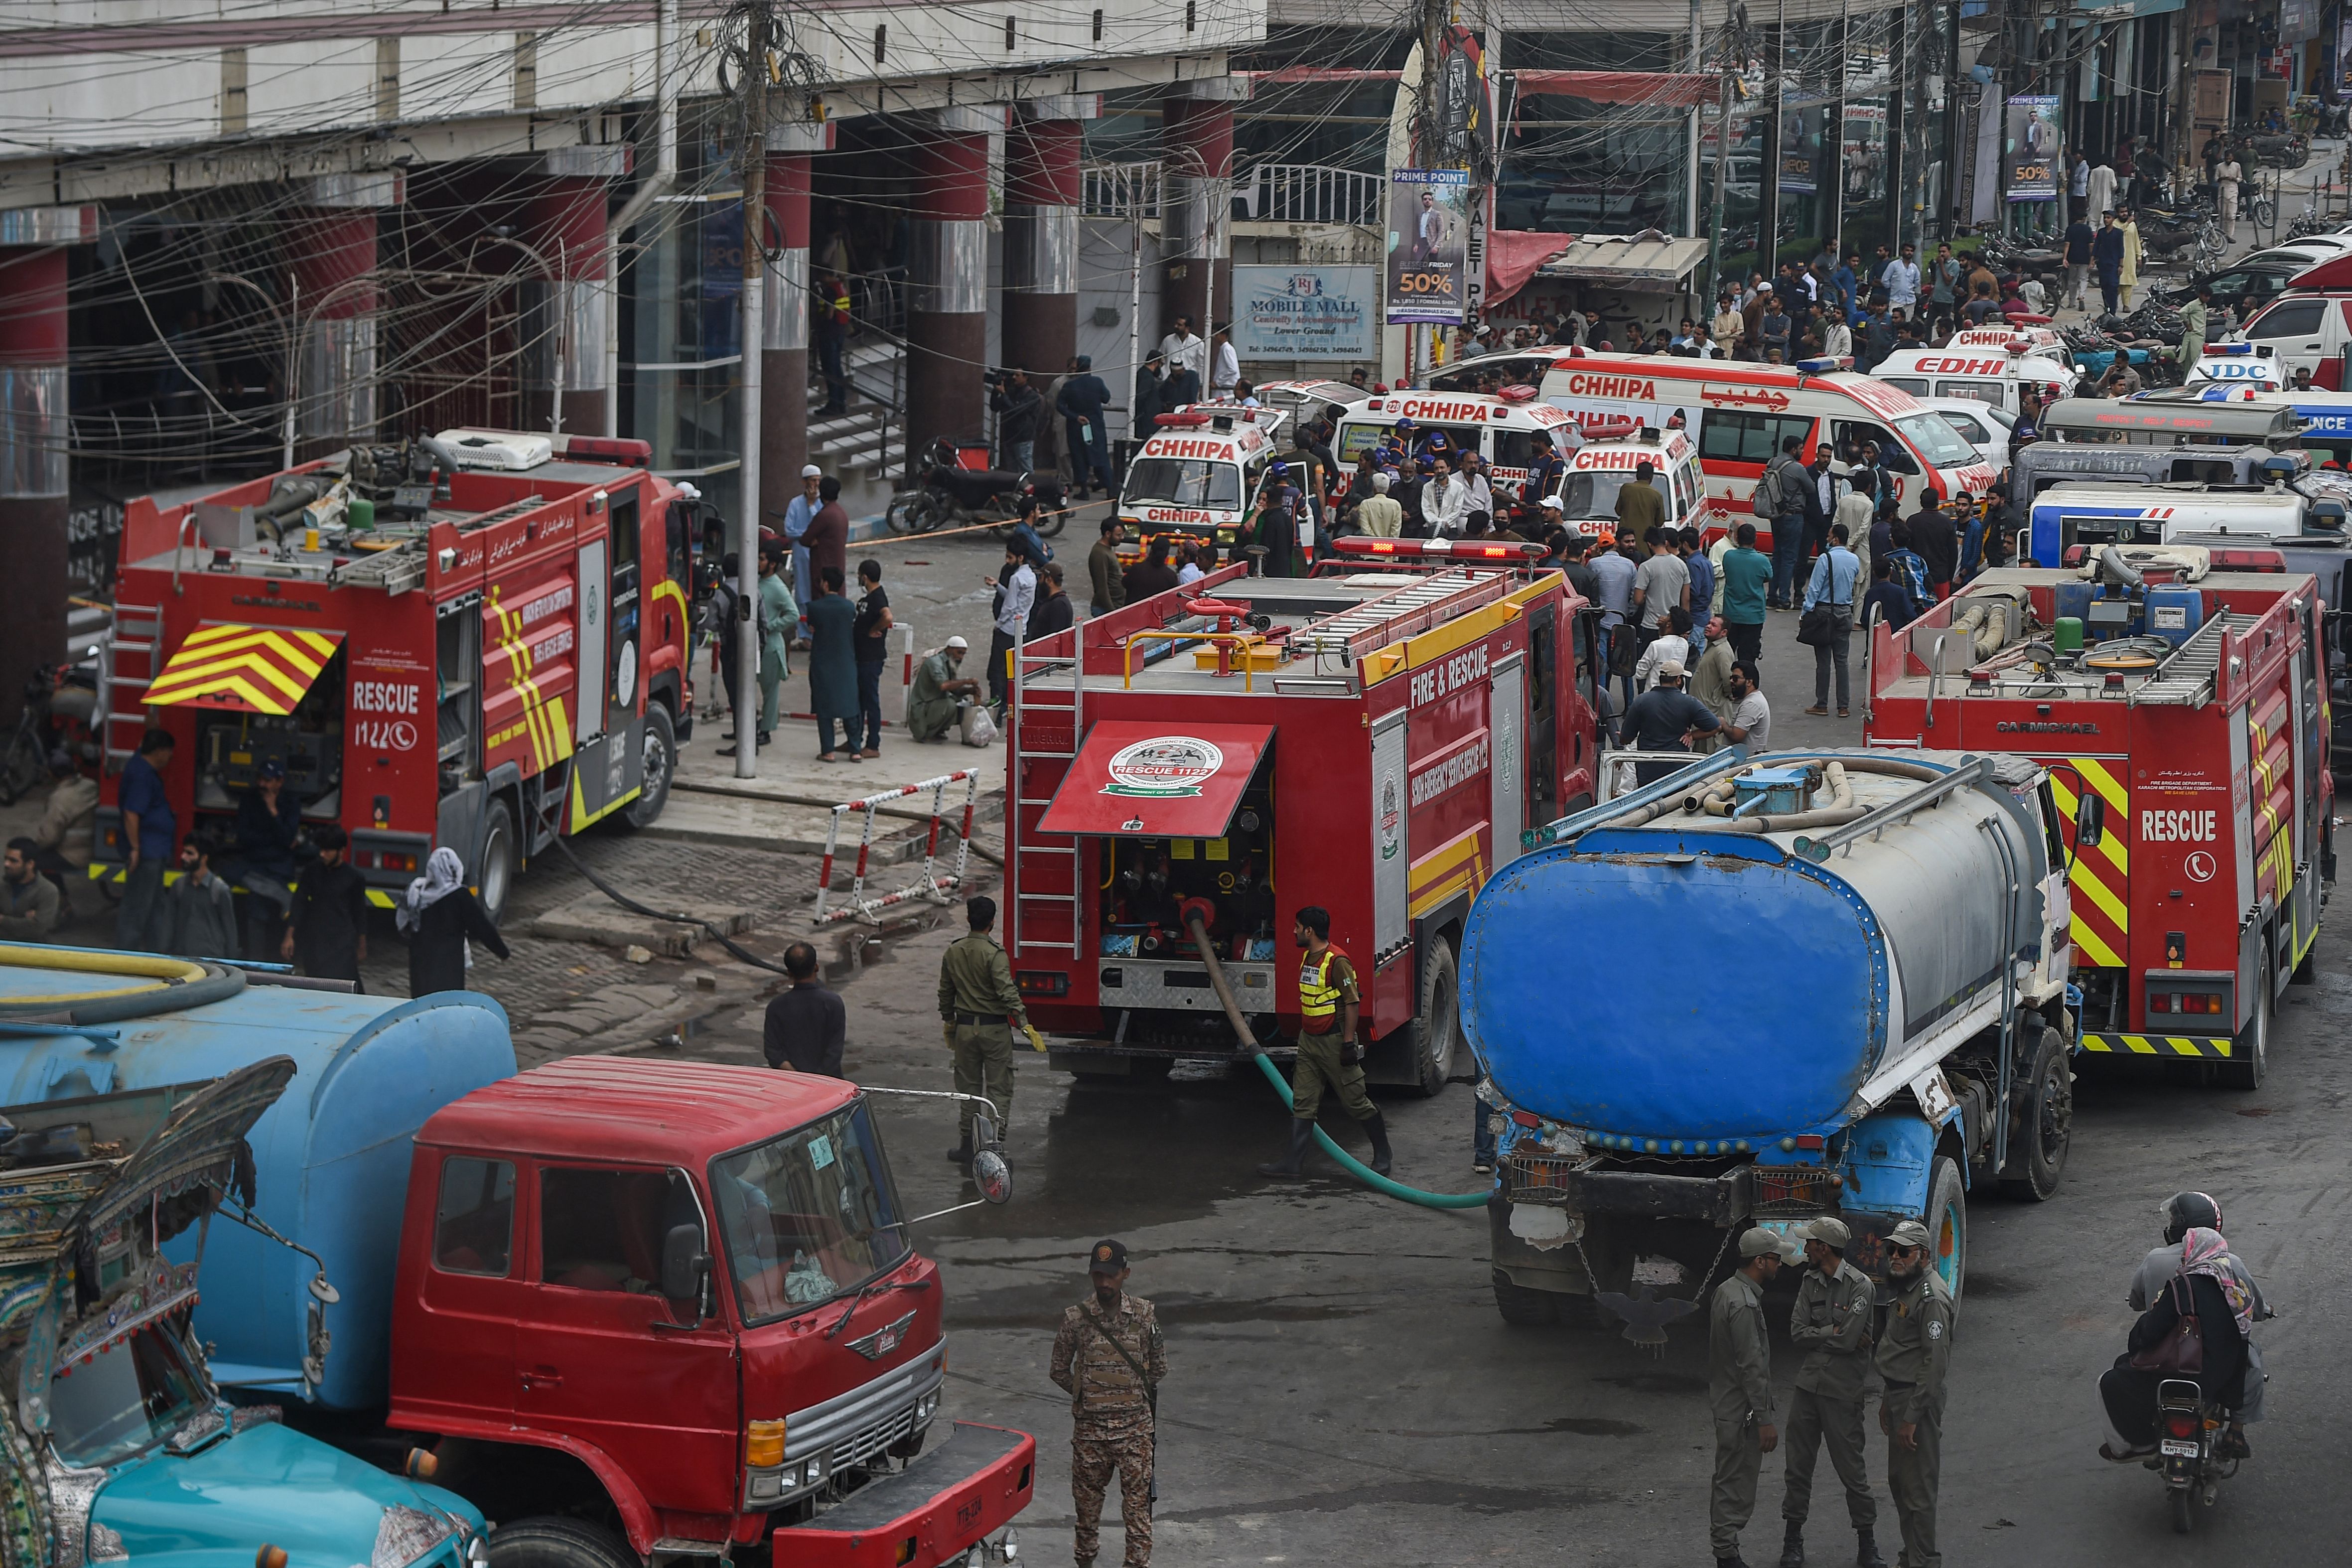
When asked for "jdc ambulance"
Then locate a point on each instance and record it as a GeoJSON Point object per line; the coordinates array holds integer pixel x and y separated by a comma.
{"type": "Point", "coordinates": [1739, 414]}
{"type": "Point", "coordinates": [2066, 515]}
{"type": "Point", "coordinates": [2239, 364]}
{"type": "Point", "coordinates": [1199, 471]}
{"type": "Point", "coordinates": [1499, 427]}
{"type": "Point", "coordinates": [1998, 374]}
{"type": "Point", "coordinates": [1606, 464]}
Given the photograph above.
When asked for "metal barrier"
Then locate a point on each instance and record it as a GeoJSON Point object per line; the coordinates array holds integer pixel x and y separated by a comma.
{"type": "Point", "coordinates": [930, 884]}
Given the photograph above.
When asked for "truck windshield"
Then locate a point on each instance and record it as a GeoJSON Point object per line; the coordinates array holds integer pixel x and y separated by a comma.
{"type": "Point", "coordinates": [1185, 481]}
{"type": "Point", "coordinates": [808, 1215]}
{"type": "Point", "coordinates": [125, 1400]}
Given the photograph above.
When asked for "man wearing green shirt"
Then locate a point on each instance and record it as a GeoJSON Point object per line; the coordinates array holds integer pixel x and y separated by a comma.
{"type": "Point", "coordinates": [1746, 579]}
{"type": "Point", "coordinates": [780, 613]}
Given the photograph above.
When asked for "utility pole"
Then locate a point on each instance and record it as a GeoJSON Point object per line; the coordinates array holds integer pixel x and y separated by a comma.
{"type": "Point", "coordinates": [1690, 183]}
{"type": "Point", "coordinates": [1426, 142]}
{"type": "Point", "coordinates": [759, 31]}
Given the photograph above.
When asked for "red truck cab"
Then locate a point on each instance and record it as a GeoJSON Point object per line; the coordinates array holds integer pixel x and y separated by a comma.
{"type": "Point", "coordinates": [690, 1290]}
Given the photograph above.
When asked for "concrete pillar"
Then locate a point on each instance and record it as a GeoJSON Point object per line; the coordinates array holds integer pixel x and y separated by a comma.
{"type": "Point", "coordinates": [1040, 231]}
{"type": "Point", "coordinates": [947, 282]}
{"type": "Point", "coordinates": [1196, 256]}
{"type": "Point", "coordinates": [568, 303]}
{"type": "Point", "coordinates": [34, 437]}
{"type": "Point", "coordinates": [784, 315]}
{"type": "Point", "coordinates": [329, 244]}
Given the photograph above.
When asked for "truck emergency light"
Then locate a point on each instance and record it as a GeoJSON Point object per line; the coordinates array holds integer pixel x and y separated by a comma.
{"type": "Point", "coordinates": [612, 449]}
{"type": "Point", "coordinates": [1452, 549]}
{"type": "Point", "coordinates": [2246, 560]}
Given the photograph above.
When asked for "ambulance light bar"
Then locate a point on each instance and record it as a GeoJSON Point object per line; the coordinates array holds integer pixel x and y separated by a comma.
{"type": "Point", "coordinates": [1820, 366]}
{"type": "Point", "coordinates": [2255, 350]}
{"type": "Point", "coordinates": [1517, 393]}
{"type": "Point", "coordinates": [1188, 420]}
{"type": "Point", "coordinates": [1450, 548]}
{"type": "Point", "coordinates": [1607, 427]}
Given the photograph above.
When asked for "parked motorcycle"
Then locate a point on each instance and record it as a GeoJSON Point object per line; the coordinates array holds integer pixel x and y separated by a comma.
{"type": "Point", "coordinates": [2275, 149]}
{"type": "Point", "coordinates": [949, 495]}
{"type": "Point", "coordinates": [2007, 256]}
{"type": "Point", "coordinates": [58, 698]}
{"type": "Point", "coordinates": [2187, 1429]}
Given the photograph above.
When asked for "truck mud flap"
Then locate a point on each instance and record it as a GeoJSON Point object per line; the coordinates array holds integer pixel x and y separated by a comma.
{"type": "Point", "coordinates": [929, 1513]}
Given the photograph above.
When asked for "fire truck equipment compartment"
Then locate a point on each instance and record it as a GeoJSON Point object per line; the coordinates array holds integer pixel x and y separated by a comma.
{"type": "Point", "coordinates": [1134, 778]}
{"type": "Point", "coordinates": [243, 669]}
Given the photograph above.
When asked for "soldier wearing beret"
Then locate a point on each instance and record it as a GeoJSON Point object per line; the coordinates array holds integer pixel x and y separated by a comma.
{"type": "Point", "coordinates": [1108, 1357]}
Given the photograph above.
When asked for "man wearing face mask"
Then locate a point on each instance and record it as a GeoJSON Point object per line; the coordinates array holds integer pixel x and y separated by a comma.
{"type": "Point", "coordinates": [1913, 1358]}
{"type": "Point", "coordinates": [1109, 1358]}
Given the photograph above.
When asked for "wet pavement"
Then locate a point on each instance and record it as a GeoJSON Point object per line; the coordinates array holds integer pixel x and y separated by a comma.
{"type": "Point", "coordinates": [1342, 1391]}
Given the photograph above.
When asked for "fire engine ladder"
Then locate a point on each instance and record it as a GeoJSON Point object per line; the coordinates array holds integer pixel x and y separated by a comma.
{"type": "Point", "coordinates": [1401, 613]}
{"type": "Point", "coordinates": [2185, 680]}
{"type": "Point", "coordinates": [1032, 863]}
{"type": "Point", "coordinates": [134, 640]}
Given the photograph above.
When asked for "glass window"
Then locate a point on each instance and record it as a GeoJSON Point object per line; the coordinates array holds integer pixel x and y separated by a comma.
{"type": "Point", "coordinates": [1936, 441]}
{"type": "Point", "coordinates": [1968, 428]}
{"type": "Point", "coordinates": [1591, 493]}
{"type": "Point", "coordinates": [1853, 433]}
{"type": "Point", "coordinates": [1917, 386]}
{"type": "Point", "coordinates": [1355, 440]}
{"type": "Point", "coordinates": [1185, 481]}
{"type": "Point", "coordinates": [473, 1225]}
{"type": "Point", "coordinates": [1513, 449]}
{"type": "Point", "coordinates": [604, 1229]}
{"type": "Point", "coordinates": [1747, 437]}
{"type": "Point", "coordinates": [1974, 391]}
{"type": "Point", "coordinates": [808, 1215]}
{"type": "Point", "coordinates": [128, 1397]}
{"type": "Point", "coordinates": [2288, 318]}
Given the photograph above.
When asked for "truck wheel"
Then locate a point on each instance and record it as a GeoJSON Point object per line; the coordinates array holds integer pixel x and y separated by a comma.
{"type": "Point", "coordinates": [2250, 1052]}
{"type": "Point", "coordinates": [661, 766]}
{"type": "Point", "coordinates": [1523, 1308]}
{"type": "Point", "coordinates": [552, 1543]}
{"type": "Point", "coordinates": [1948, 1224]}
{"type": "Point", "coordinates": [495, 875]}
{"type": "Point", "coordinates": [1438, 1030]}
{"type": "Point", "coordinates": [2037, 1154]}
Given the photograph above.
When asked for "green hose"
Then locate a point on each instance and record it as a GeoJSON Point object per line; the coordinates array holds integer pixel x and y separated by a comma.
{"type": "Point", "coordinates": [1364, 1173]}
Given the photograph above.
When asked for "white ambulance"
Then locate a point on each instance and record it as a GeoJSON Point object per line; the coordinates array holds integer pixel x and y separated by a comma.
{"type": "Point", "coordinates": [1997, 374]}
{"type": "Point", "coordinates": [1612, 453]}
{"type": "Point", "coordinates": [1740, 413]}
{"type": "Point", "coordinates": [1500, 426]}
{"type": "Point", "coordinates": [1198, 473]}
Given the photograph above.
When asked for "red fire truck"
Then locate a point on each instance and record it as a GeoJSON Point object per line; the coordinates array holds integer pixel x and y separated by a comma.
{"type": "Point", "coordinates": [1370, 741]}
{"type": "Point", "coordinates": [477, 639]}
{"type": "Point", "coordinates": [2179, 686]}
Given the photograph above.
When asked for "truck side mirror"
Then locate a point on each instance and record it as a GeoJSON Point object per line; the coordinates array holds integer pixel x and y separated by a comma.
{"type": "Point", "coordinates": [684, 1265]}
{"type": "Point", "coordinates": [2090, 821]}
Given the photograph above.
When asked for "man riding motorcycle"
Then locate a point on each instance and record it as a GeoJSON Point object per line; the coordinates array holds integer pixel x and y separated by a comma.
{"type": "Point", "coordinates": [2184, 1212]}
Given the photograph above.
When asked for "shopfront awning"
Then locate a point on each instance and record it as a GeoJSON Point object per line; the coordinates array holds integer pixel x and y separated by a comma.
{"type": "Point", "coordinates": [1649, 260]}
{"type": "Point", "coordinates": [1135, 778]}
{"type": "Point", "coordinates": [242, 669]}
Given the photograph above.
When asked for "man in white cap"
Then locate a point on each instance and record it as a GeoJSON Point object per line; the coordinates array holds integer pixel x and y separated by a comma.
{"type": "Point", "coordinates": [940, 695]}
{"type": "Point", "coordinates": [1380, 514]}
{"type": "Point", "coordinates": [1831, 1323]}
{"type": "Point", "coordinates": [1661, 719]}
{"type": "Point", "coordinates": [798, 515]}
{"type": "Point", "coordinates": [1739, 1392]}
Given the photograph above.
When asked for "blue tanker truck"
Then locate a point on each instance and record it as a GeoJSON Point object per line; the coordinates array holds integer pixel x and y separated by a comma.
{"type": "Point", "coordinates": [1758, 991]}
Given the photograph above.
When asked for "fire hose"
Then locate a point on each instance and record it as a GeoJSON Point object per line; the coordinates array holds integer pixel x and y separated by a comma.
{"type": "Point", "coordinates": [1348, 1161]}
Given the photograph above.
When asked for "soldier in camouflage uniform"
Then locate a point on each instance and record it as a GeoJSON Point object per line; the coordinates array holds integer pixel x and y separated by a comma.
{"type": "Point", "coordinates": [1739, 1392]}
{"type": "Point", "coordinates": [1913, 1358]}
{"type": "Point", "coordinates": [1836, 1309]}
{"type": "Point", "coordinates": [977, 996]}
{"type": "Point", "coordinates": [1109, 1358]}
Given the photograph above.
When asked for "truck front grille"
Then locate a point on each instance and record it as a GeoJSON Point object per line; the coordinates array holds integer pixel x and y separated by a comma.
{"type": "Point", "coordinates": [874, 1439]}
{"type": "Point", "coordinates": [1789, 1194]}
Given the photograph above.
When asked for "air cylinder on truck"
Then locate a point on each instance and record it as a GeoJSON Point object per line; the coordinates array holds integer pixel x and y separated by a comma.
{"type": "Point", "coordinates": [1760, 991]}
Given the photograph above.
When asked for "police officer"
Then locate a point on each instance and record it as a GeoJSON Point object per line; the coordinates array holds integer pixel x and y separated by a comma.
{"type": "Point", "coordinates": [1109, 1358]}
{"type": "Point", "coordinates": [1739, 1388]}
{"type": "Point", "coordinates": [976, 997]}
{"type": "Point", "coordinates": [1328, 1053]}
{"type": "Point", "coordinates": [1832, 1323]}
{"type": "Point", "coordinates": [1912, 1359]}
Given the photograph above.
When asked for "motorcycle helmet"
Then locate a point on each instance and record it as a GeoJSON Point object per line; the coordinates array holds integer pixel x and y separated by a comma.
{"type": "Point", "coordinates": [2185, 1212]}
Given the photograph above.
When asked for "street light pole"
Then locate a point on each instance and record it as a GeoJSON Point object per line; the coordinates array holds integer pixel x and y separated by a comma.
{"type": "Point", "coordinates": [747, 518]}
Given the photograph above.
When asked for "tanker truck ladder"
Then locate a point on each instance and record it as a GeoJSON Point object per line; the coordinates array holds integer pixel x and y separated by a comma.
{"type": "Point", "coordinates": [1401, 613]}
{"type": "Point", "coordinates": [2187, 678]}
{"type": "Point", "coordinates": [1043, 730]}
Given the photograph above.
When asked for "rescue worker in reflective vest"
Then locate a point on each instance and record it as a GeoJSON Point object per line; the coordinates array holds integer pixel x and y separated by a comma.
{"type": "Point", "coordinates": [978, 1006]}
{"type": "Point", "coordinates": [1739, 1392]}
{"type": "Point", "coordinates": [1831, 1323]}
{"type": "Point", "coordinates": [1913, 1358]}
{"type": "Point", "coordinates": [1330, 1056]}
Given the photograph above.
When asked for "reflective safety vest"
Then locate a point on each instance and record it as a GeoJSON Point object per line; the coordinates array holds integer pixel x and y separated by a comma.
{"type": "Point", "coordinates": [1319, 997]}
